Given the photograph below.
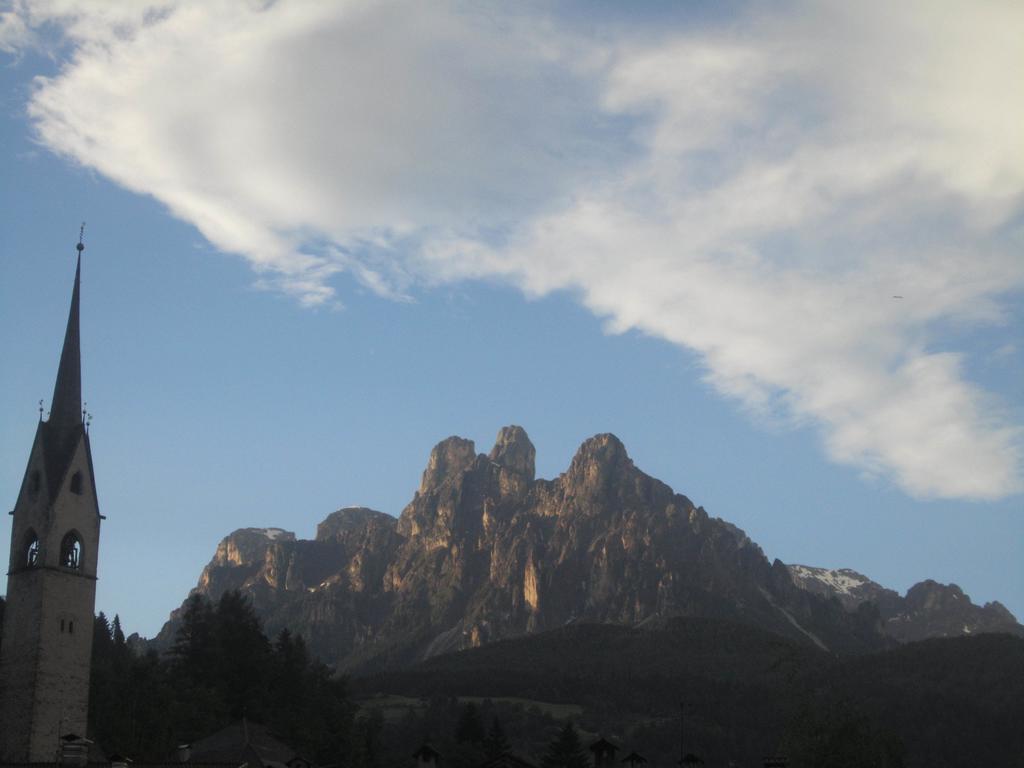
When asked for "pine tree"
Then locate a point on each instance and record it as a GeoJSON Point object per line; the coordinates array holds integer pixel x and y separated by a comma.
{"type": "Point", "coordinates": [115, 631]}
{"type": "Point", "coordinates": [470, 729]}
{"type": "Point", "coordinates": [193, 648]}
{"type": "Point", "coordinates": [495, 744]}
{"type": "Point", "coordinates": [366, 743]}
{"type": "Point", "coordinates": [101, 638]}
{"type": "Point", "coordinates": [565, 750]}
{"type": "Point", "coordinates": [243, 653]}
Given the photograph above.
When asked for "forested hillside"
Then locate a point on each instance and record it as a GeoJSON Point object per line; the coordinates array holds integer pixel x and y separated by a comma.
{"type": "Point", "coordinates": [748, 693]}
{"type": "Point", "coordinates": [221, 668]}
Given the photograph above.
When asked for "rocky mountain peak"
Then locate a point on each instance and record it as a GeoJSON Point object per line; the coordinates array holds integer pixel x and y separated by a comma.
{"type": "Point", "coordinates": [247, 545]}
{"type": "Point", "coordinates": [845, 584]}
{"type": "Point", "coordinates": [929, 595]}
{"type": "Point", "coordinates": [605, 447]}
{"type": "Point", "coordinates": [999, 611]}
{"type": "Point", "coordinates": [514, 451]}
{"type": "Point", "coordinates": [602, 477]}
{"type": "Point", "coordinates": [348, 519]}
{"type": "Point", "coordinates": [929, 609]}
{"type": "Point", "coordinates": [448, 460]}
{"type": "Point", "coordinates": [599, 459]}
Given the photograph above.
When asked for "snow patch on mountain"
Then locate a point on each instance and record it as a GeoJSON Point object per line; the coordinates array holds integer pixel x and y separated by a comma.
{"type": "Point", "coordinates": [841, 581]}
{"type": "Point", "coordinates": [275, 534]}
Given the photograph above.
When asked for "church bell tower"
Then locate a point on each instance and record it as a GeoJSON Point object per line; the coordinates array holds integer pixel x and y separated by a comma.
{"type": "Point", "coordinates": [51, 578]}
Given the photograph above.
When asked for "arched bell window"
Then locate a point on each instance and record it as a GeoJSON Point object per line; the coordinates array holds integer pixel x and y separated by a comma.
{"type": "Point", "coordinates": [71, 551]}
{"type": "Point", "coordinates": [31, 549]}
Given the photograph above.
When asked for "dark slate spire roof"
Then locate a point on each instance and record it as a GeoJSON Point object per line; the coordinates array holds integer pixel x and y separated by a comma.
{"type": "Point", "coordinates": [66, 406]}
{"type": "Point", "coordinates": [64, 428]}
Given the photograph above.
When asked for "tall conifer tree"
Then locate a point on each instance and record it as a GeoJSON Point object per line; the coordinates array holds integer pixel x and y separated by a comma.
{"type": "Point", "coordinates": [565, 751]}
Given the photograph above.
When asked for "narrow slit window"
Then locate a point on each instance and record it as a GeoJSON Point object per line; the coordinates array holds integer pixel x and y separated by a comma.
{"type": "Point", "coordinates": [76, 483]}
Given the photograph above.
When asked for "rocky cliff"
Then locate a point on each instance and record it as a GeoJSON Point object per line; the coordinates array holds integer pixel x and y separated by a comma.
{"type": "Point", "coordinates": [929, 609]}
{"type": "Point", "coordinates": [485, 550]}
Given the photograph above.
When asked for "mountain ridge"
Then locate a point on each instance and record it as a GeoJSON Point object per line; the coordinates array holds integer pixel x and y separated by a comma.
{"type": "Point", "coordinates": [485, 550]}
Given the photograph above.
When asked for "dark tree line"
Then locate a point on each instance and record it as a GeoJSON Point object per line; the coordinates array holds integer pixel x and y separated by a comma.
{"type": "Point", "coordinates": [952, 701]}
{"type": "Point", "coordinates": [467, 734]}
{"type": "Point", "coordinates": [220, 668]}
{"type": "Point", "coordinates": [956, 701]}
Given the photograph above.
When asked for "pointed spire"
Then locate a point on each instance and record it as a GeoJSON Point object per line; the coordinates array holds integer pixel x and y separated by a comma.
{"type": "Point", "coordinates": [66, 406]}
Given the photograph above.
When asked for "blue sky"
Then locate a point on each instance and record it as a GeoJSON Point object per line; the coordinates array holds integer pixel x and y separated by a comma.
{"type": "Point", "coordinates": [322, 237]}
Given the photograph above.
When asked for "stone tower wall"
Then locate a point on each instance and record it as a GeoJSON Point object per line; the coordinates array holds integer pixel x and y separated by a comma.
{"type": "Point", "coordinates": [47, 635]}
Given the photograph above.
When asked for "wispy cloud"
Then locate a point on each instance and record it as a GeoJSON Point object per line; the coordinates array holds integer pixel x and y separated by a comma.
{"type": "Point", "coordinates": [756, 193]}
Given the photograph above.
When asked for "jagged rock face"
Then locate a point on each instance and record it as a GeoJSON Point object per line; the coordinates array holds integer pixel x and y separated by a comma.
{"type": "Point", "coordinates": [486, 551]}
{"type": "Point", "coordinates": [929, 609]}
{"type": "Point", "coordinates": [490, 552]}
{"type": "Point", "coordinates": [850, 588]}
{"type": "Point", "coordinates": [326, 589]}
{"type": "Point", "coordinates": [943, 610]}
{"type": "Point", "coordinates": [514, 452]}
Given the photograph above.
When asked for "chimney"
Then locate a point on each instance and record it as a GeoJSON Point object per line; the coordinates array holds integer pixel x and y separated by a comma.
{"type": "Point", "coordinates": [604, 753]}
{"type": "Point", "coordinates": [426, 757]}
{"type": "Point", "coordinates": [74, 750]}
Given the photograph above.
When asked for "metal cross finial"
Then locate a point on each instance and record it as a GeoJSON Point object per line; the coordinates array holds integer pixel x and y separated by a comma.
{"type": "Point", "coordinates": [81, 233]}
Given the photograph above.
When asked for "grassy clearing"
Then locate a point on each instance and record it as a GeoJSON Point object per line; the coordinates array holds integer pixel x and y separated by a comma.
{"type": "Point", "coordinates": [557, 711]}
{"type": "Point", "coordinates": [393, 707]}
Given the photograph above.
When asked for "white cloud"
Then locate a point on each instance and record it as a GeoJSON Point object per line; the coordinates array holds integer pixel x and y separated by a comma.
{"type": "Point", "coordinates": [276, 127]}
{"type": "Point", "coordinates": [15, 33]}
{"type": "Point", "coordinates": [757, 193]}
